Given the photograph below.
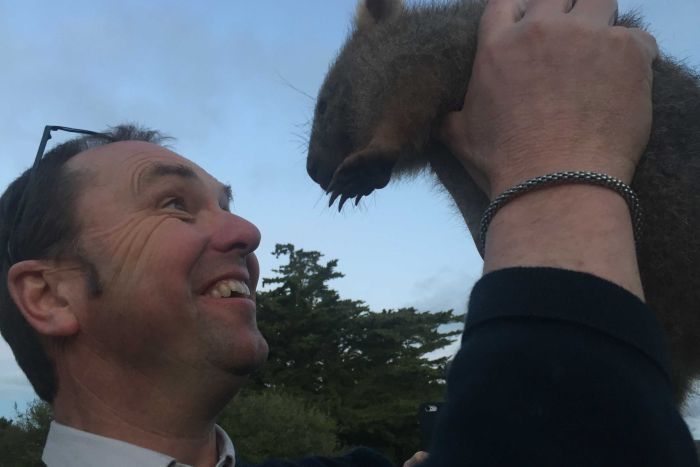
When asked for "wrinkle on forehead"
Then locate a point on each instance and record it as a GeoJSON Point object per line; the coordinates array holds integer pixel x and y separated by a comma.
{"type": "Point", "coordinates": [120, 151]}
{"type": "Point", "coordinates": [141, 165]}
{"type": "Point", "coordinates": [157, 171]}
{"type": "Point", "coordinates": [134, 158]}
{"type": "Point", "coordinates": [125, 155]}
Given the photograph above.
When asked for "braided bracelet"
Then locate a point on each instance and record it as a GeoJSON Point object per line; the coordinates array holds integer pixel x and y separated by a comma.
{"type": "Point", "coordinates": [560, 178]}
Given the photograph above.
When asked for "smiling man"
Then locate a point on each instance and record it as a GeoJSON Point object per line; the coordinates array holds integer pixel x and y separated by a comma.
{"type": "Point", "coordinates": [145, 307]}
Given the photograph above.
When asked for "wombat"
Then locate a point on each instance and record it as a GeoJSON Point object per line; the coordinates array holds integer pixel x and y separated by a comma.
{"type": "Point", "coordinates": [403, 68]}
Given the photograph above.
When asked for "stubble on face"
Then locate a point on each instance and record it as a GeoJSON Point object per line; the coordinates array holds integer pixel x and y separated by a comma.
{"type": "Point", "coordinates": [149, 260]}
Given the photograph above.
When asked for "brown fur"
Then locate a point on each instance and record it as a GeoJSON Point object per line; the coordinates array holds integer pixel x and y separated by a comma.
{"type": "Point", "coordinates": [393, 81]}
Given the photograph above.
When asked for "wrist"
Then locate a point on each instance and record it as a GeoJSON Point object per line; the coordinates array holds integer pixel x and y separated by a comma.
{"type": "Point", "coordinates": [557, 179]}
{"type": "Point", "coordinates": [585, 228]}
{"type": "Point", "coordinates": [516, 173]}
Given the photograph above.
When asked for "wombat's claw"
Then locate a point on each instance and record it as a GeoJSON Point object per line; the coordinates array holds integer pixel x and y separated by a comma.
{"type": "Point", "coordinates": [331, 185]}
{"type": "Point", "coordinates": [343, 199]}
{"type": "Point", "coordinates": [334, 196]}
{"type": "Point", "coordinates": [359, 176]}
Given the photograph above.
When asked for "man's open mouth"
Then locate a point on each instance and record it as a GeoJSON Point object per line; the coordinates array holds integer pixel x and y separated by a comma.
{"type": "Point", "coordinates": [228, 288]}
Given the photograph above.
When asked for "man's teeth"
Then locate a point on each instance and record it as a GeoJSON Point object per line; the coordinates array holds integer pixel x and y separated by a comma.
{"type": "Point", "coordinates": [224, 289]}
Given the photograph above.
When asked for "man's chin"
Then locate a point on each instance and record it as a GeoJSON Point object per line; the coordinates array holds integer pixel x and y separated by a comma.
{"type": "Point", "coordinates": [255, 362]}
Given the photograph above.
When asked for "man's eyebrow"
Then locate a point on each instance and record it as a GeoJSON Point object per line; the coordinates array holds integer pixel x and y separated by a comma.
{"type": "Point", "coordinates": [158, 170]}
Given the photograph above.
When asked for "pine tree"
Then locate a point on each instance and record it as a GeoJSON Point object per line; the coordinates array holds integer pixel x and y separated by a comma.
{"type": "Point", "coordinates": [368, 370]}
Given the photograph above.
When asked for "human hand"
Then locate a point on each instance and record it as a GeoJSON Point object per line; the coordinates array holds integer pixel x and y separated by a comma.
{"type": "Point", "coordinates": [553, 88]}
{"type": "Point", "coordinates": [417, 459]}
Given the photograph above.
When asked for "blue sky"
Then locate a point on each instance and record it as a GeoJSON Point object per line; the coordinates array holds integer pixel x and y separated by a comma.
{"type": "Point", "coordinates": [231, 80]}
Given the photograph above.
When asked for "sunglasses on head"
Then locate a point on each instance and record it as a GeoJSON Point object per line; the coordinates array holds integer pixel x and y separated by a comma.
{"type": "Point", "coordinates": [11, 253]}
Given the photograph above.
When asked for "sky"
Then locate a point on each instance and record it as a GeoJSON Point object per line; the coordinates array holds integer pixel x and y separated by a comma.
{"type": "Point", "coordinates": [234, 82]}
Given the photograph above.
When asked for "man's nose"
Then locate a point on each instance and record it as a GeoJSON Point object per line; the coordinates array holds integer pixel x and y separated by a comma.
{"type": "Point", "coordinates": [236, 233]}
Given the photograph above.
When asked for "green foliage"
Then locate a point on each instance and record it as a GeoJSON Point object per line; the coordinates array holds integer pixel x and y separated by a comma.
{"type": "Point", "coordinates": [22, 440]}
{"type": "Point", "coordinates": [368, 370]}
{"type": "Point", "coordinates": [272, 424]}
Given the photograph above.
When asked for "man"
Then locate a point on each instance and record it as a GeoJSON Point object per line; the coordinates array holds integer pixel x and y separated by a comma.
{"type": "Point", "coordinates": [132, 286]}
{"type": "Point", "coordinates": [154, 332]}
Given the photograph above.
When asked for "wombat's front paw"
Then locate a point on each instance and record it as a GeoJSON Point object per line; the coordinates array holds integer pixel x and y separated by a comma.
{"type": "Point", "coordinates": [360, 174]}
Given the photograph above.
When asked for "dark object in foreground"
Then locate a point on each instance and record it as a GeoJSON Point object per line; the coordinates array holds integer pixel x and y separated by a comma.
{"type": "Point", "coordinates": [428, 413]}
{"type": "Point", "coordinates": [550, 374]}
{"type": "Point", "coordinates": [402, 69]}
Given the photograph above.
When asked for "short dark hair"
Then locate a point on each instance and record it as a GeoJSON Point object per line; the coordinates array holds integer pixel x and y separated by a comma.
{"type": "Point", "coordinates": [48, 229]}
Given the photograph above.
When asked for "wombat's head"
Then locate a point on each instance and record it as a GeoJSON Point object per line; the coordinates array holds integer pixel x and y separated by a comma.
{"type": "Point", "coordinates": [346, 114]}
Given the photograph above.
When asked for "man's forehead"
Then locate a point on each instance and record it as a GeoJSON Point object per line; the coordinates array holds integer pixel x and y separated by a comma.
{"type": "Point", "coordinates": [132, 159]}
{"type": "Point", "coordinates": [126, 155]}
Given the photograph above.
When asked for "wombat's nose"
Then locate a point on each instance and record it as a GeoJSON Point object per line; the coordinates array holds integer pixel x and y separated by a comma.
{"type": "Point", "coordinates": [312, 170]}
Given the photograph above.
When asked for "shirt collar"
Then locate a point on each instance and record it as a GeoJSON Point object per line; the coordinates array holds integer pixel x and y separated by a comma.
{"type": "Point", "coordinates": [68, 447]}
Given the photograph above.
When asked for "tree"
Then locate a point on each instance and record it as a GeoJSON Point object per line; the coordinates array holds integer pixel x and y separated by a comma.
{"type": "Point", "coordinates": [272, 424]}
{"type": "Point", "coordinates": [22, 440]}
{"type": "Point", "coordinates": [369, 370]}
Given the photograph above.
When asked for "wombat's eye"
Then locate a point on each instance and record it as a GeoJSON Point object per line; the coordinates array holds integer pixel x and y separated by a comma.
{"type": "Point", "coordinates": [321, 107]}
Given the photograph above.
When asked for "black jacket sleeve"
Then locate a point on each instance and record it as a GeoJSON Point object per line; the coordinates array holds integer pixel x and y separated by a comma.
{"type": "Point", "coordinates": [559, 368]}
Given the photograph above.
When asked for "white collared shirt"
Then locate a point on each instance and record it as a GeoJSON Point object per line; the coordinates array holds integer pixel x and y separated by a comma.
{"type": "Point", "coordinates": [68, 447]}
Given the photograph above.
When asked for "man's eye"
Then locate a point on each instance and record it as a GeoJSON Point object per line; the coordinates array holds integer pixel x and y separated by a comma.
{"type": "Point", "coordinates": [175, 203]}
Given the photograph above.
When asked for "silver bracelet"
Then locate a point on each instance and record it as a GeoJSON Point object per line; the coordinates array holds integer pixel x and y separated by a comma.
{"type": "Point", "coordinates": [560, 178]}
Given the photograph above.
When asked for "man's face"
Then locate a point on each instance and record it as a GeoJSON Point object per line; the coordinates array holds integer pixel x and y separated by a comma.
{"type": "Point", "coordinates": [158, 230]}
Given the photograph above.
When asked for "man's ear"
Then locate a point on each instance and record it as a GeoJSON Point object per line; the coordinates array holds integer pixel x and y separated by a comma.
{"type": "Point", "coordinates": [43, 295]}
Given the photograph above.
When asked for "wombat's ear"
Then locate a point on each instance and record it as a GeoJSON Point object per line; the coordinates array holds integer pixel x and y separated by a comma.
{"type": "Point", "coordinates": [371, 12]}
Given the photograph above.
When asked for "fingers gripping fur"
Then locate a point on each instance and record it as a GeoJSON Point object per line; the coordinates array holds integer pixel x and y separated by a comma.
{"type": "Point", "coordinates": [372, 12]}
